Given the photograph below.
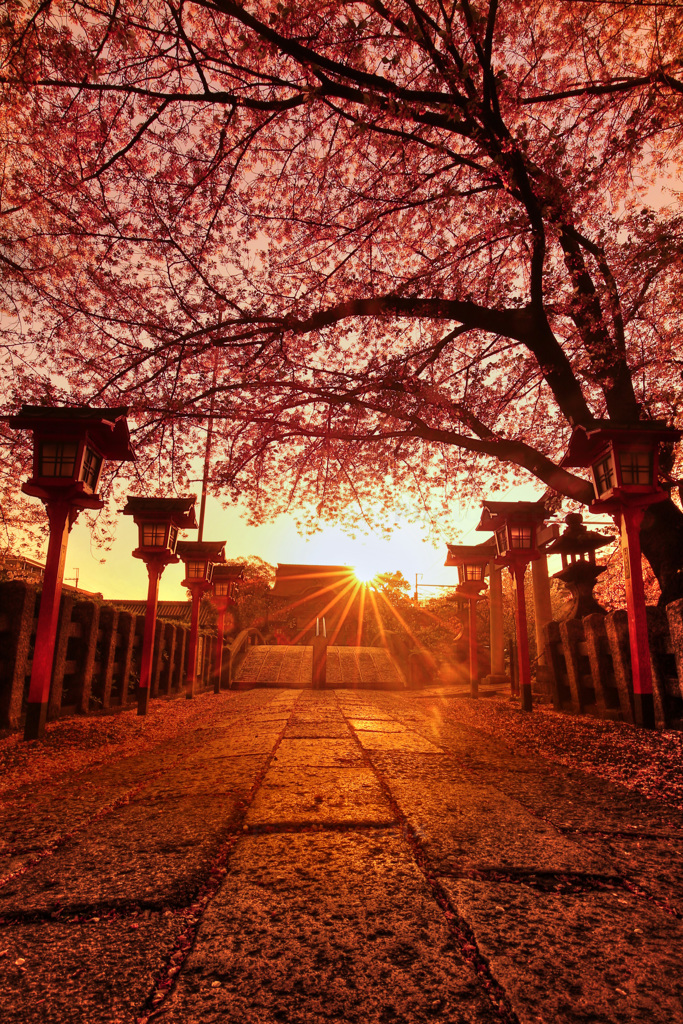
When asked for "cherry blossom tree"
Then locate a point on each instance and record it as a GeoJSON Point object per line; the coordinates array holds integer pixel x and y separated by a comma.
{"type": "Point", "coordinates": [396, 248]}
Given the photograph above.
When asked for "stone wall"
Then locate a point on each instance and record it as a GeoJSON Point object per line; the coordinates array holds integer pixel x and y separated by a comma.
{"type": "Point", "coordinates": [97, 655]}
{"type": "Point", "coordinates": [590, 665]}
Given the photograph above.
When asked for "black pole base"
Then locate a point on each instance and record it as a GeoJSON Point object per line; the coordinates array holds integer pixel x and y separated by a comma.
{"type": "Point", "coordinates": [527, 702]}
{"type": "Point", "coordinates": [143, 699]}
{"type": "Point", "coordinates": [36, 717]}
{"type": "Point", "coordinates": [217, 686]}
{"type": "Point", "coordinates": [474, 688]}
{"type": "Point", "coordinates": [644, 710]}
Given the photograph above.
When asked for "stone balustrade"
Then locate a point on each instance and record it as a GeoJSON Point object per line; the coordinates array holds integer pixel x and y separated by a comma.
{"type": "Point", "coordinates": [590, 665]}
{"type": "Point", "coordinates": [97, 654]}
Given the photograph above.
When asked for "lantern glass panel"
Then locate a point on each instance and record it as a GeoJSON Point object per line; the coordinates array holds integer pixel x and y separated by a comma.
{"type": "Point", "coordinates": [636, 468]}
{"type": "Point", "coordinates": [173, 538]}
{"type": "Point", "coordinates": [521, 537]}
{"type": "Point", "coordinates": [90, 470]}
{"type": "Point", "coordinates": [221, 589]}
{"type": "Point", "coordinates": [58, 459]}
{"type": "Point", "coordinates": [154, 535]}
{"type": "Point", "coordinates": [604, 476]}
{"type": "Point", "coordinates": [196, 570]}
{"type": "Point", "coordinates": [474, 573]}
{"type": "Point", "coordinates": [502, 541]}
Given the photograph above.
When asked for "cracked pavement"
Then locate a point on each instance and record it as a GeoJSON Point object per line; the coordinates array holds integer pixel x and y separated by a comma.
{"type": "Point", "coordinates": [337, 855]}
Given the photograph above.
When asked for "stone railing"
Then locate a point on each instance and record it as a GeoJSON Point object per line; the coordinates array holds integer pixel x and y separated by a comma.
{"type": "Point", "coordinates": [590, 665]}
{"type": "Point", "coordinates": [97, 654]}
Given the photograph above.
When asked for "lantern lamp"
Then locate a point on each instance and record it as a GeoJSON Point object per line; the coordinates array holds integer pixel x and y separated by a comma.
{"type": "Point", "coordinates": [624, 464]}
{"type": "Point", "coordinates": [577, 547]}
{"type": "Point", "coordinates": [69, 448]}
{"type": "Point", "coordinates": [516, 525]}
{"type": "Point", "coordinates": [225, 579]}
{"type": "Point", "coordinates": [471, 562]}
{"type": "Point", "coordinates": [199, 557]}
{"type": "Point", "coordinates": [623, 460]}
{"type": "Point", "coordinates": [158, 521]}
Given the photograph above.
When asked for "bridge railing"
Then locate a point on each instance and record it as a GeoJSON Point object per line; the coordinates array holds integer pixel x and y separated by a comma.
{"type": "Point", "coordinates": [237, 651]}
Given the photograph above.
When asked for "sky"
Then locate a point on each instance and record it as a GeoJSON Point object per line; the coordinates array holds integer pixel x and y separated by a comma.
{"type": "Point", "coordinates": [409, 550]}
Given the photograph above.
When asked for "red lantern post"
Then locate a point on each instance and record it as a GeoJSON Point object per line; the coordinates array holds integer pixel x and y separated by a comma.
{"type": "Point", "coordinates": [471, 562]}
{"type": "Point", "coordinates": [624, 465]}
{"type": "Point", "coordinates": [199, 558]}
{"type": "Point", "coordinates": [158, 521]}
{"type": "Point", "coordinates": [515, 525]}
{"type": "Point", "coordinates": [225, 579]}
{"type": "Point", "coordinates": [69, 447]}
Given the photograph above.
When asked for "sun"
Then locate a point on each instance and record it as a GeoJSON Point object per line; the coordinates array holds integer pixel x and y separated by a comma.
{"type": "Point", "coordinates": [365, 574]}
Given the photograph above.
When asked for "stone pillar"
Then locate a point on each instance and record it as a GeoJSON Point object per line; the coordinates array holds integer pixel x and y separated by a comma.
{"type": "Point", "coordinates": [542, 615]}
{"type": "Point", "coordinates": [497, 636]}
{"type": "Point", "coordinates": [166, 680]}
{"type": "Point", "coordinates": [604, 684]}
{"type": "Point", "coordinates": [86, 617]}
{"type": "Point", "coordinates": [126, 629]}
{"type": "Point", "coordinates": [179, 663]}
{"type": "Point", "coordinates": [573, 643]}
{"type": "Point", "coordinates": [674, 613]}
{"type": "Point", "coordinates": [555, 659]}
{"type": "Point", "coordinates": [616, 627]}
{"type": "Point", "coordinates": [59, 663]}
{"type": "Point", "coordinates": [319, 662]}
{"type": "Point", "coordinates": [109, 621]}
{"type": "Point", "coordinates": [157, 658]}
{"type": "Point", "coordinates": [18, 613]}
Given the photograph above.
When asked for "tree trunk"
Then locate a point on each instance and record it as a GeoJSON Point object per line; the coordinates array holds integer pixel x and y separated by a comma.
{"type": "Point", "coordinates": [661, 538]}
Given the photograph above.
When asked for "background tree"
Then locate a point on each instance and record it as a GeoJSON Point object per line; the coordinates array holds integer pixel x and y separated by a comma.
{"type": "Point", "coordinates": [425, 239]}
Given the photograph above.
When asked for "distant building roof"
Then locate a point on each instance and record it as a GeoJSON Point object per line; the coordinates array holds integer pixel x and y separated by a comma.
{"type": "Point", "coordinates": [293, 580]}
{"type": "Point", "coordinates": [169, 611]}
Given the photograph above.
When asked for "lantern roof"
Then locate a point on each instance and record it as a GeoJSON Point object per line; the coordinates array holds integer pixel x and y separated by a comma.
{"type": "Point", "coordinates": [209, 550]}
{"type": "Point", "coordinates": [106, 428]}
{"type": "Point", "coordinates": [179, 511]}
{"type": "Point", "coordinates": [576, 539]}
{"type": "Point", "coordinates": [587, 442]}
{"type": "Point", "coordinates": [458, 554]}
{"type": "Point", "coordinates": [228, 572]}
{"type": "Point", "coordinates": [496, 513]}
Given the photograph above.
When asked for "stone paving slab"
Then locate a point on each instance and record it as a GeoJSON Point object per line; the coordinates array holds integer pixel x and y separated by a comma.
{"type": "Point", "coordinates": [319, 796]}
{"type": "Point", "coordinates": [464, 826]}
{"type": "Point", "coordinates": [152, 852]}
{"type": "Point", "coordinates": [331, 729]}
{"type": "Point", "coordinates": [377, 725]}
{"type": "Point", "coordinates": [404, 741]}
{"type": "Point", "coordinates": [297, 753]}
{"type": "Point", "coordinates": [335, 927]}
{"type": "Point", "coordinates": [590, 958]}
{"type": "Point", "coordinates": [654, 864]}
{"type": "Point", "coordinates": [234, 775]}
{"type": "Point", "coordinates": [237, 743]}
{"type": "Point", "coordinates": [92, 972]}
{"type": "Point", "coordinates": [576, 800]}
{"type": "Point", "coordinates": [36, 819]}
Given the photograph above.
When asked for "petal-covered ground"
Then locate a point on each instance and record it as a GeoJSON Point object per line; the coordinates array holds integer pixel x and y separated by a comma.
{"type": "Point", "coordinates": [360, 856]}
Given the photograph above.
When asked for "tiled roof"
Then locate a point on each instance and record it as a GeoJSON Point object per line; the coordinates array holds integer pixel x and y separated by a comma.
{"type": "Point", "coordinates": [170, 611]}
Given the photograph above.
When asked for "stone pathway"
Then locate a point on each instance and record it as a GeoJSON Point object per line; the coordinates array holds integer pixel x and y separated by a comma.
{"type": "Point", "coordinates": [348, 856]}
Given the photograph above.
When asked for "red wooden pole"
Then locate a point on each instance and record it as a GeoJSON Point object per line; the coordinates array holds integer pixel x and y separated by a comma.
{"type": "Point", "coordinates": [641, 666]}
{"type": "Point", "coordinates": [474, 654]}
{"type": "Point", "coordinates": [193, 642]}
{"type": "Point", "coordinates": [61, 515]}
{"type": "Point", "coordinates": [519, 568]}
{"type": "Point", "coordinates": [218, 651]}
{"type": "Point", "coordinates": [154, 571]}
